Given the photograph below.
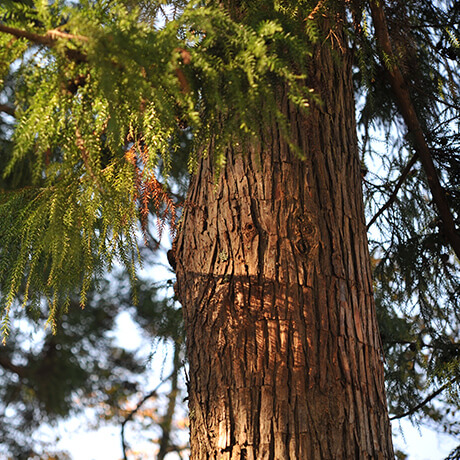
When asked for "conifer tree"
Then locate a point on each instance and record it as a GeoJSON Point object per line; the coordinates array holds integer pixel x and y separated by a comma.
{"type": "Point", "coordinates": [270, 251]}
{"type": "Point", "coordinates": [85, 370]}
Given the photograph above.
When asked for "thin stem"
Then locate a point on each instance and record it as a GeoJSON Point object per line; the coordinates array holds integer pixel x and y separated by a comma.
{"type": "Point", "coordinates": [423, 403]}
{"type": "Point", "coordinates": [394, 194]}
{"type": "Point", "coordinates": [129, 417]}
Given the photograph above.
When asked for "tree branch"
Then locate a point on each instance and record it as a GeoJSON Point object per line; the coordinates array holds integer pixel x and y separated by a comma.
{"type": "Point", "coordinates": [31, 36]}
{"type": "Point", "coordinates": [49, 39]}
{"type": "Point", "coordinates": [8, 365]}
{"type": "Point", "coordinates": [423, 403]}
{"type": "Point", "coordinates": [394, 194]}
{"type": "Point", "coordinates": [7, 109]}
{"type": "Point", "coordinates": [130, 416]}
{"type": "Point", "coordinates": [135, 410]}
{"type": "Point", "coordinates": [404, 101]}
{"type": "Point", "coordinates": [168, 417]}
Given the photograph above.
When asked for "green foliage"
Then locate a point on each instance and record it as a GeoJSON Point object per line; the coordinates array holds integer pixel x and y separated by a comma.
{"type": "Point", "coordinates": [110, 96]}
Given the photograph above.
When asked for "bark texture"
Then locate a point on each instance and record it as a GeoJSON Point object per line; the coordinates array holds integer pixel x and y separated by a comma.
{"type": "Point", "coordinates": [273, 273]}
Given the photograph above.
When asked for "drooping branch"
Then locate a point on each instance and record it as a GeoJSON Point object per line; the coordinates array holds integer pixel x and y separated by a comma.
{"type": "Point", "coordinates": [404, 101]}
{"type": "Point", "coordinates": [394, 194]}
{"type": "Point", "coordinates": [423, 403]}
{"type": "Point", "coordinates": [51, 37]}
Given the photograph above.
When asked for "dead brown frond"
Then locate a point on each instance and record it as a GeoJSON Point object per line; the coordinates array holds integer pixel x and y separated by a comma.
{"type": "Point", "coordinates": [152, 196]}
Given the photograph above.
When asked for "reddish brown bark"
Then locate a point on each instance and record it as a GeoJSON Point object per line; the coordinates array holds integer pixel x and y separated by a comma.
{"type": "Point", "coordinates": [274, 276]}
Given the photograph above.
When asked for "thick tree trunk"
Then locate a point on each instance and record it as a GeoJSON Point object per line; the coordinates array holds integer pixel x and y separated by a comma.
{"type": "Point", "coordinates": [273, 273]}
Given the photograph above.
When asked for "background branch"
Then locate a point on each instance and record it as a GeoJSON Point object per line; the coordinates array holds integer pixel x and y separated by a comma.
{"type": "Point", "coordinates": [423, 403]}
{"type": "Point", "coordinates": [8, 365]}
{"type": "Point", "coordinates": [129, 417]}
{"type": "Point", "coordinates": [404, 101]}
{"type": "Point", "coordinates": [168, 417]}
{"type": "Point", "coordinates": [394, 194]}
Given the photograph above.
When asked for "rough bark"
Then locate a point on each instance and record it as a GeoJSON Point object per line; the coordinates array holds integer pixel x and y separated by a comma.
{"type": "Point", "coordinates": [273, 273]}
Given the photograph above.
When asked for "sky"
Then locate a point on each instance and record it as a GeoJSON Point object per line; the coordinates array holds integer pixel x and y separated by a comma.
{"type": "Point", "coordinates": [105, 444]}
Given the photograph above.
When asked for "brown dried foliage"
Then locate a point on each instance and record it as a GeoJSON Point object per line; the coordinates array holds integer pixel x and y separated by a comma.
{"type": "Point", "coordinates": [150, 193]}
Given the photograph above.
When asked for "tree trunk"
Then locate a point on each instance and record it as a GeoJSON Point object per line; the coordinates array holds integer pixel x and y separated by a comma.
{"type": "Point", "coordinates": [274, 276]}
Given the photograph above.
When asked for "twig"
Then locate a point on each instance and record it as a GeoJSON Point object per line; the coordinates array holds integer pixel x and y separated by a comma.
{"type": "Point", "coordinates": [393, 196]}
{"type": "Point", "coordinates": [136, 409]}
{"type": "Point", "coordinates": [315, 10]}
{"type": "Point", "coordinates": [424, 402]}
